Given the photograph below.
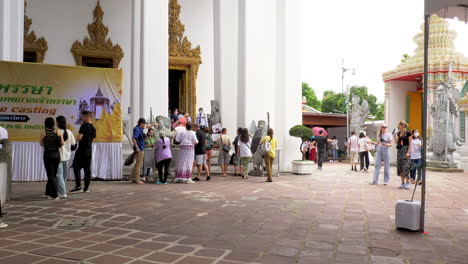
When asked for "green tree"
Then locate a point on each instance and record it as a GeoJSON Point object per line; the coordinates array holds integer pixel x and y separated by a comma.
{"type": "Point", "coordinates": [333, 102]}
{"type": "Point", "coordinates": [301, 132]}
{"type": "Point", "coordinates": [380, 114]}
{"type": "Point", "coordinates": [405, 57]}
{"type": "Point", "coordinates": [311, 98]}
{"type": "Point", "coordinates": [362, 92]}
{"type": "Point", "coordinates": [327, 93]}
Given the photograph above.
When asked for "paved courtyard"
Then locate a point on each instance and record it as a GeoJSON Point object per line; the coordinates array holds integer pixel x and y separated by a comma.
{"type": "Point", "coordinates": [333, 216]}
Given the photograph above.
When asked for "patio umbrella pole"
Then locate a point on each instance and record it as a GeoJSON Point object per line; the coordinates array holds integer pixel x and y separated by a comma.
{"type": "Point", "coordinates": [424, 120]}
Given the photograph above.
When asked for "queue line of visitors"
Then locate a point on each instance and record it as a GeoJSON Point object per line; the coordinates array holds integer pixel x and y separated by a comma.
{"type": "Point", "coordinates": [58, 143]}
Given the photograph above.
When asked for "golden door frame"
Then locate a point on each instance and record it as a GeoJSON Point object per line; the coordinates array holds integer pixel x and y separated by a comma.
{"type": "Point", "coordinates": [183, 57]}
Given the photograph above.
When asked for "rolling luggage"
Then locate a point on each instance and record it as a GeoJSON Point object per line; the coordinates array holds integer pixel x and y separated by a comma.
{"type": "Point", "coordinates": [407, 213]}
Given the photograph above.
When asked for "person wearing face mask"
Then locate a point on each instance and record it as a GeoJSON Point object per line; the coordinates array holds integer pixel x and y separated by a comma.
{"type": "Point", "coordinates": [201, 119]}
{"type": "Point", "coordinates": [416, 157]}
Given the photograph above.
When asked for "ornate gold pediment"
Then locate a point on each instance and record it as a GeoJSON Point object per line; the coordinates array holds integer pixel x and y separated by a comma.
{"type": "Point", "coordinates": [179, 45]}
{"type": "Point", "coordinates": [31, 42]}
{"type": "Point", "coordinates": [97, 45]}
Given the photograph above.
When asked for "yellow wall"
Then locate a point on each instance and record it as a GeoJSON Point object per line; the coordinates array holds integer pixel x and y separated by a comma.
{"type": "Point", "coordinates": [414, 104]}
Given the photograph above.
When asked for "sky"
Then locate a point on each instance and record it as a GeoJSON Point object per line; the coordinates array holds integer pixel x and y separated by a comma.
{"type": "Point", "coordinates": [370, 35]}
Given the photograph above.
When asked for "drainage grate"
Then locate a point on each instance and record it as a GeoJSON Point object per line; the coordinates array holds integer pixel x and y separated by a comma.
{"type": "Point", "coordinates": [77, 222]}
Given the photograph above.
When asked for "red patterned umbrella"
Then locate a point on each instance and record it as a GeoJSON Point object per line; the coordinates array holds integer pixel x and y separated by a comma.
{"type": "Point", "coordinates": [317, 129]}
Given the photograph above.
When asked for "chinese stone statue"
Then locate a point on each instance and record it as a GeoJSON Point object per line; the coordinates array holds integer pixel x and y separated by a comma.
{"type": "Point", "coordinates": [444, 111]}
{"type": "Point", "coordinates": [257, 133]}
{"type": "Point", "coordinates": [358, 114]}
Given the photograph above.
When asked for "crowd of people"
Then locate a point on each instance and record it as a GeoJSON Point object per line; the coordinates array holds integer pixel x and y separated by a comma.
{"type": "Point", "coordinates": [195, 147]}
{"type": "Point", "coordinates": [358, 147]}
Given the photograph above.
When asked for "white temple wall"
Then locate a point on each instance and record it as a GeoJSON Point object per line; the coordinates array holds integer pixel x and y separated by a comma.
{"type": "Point", "coordinates": [198, 19]}
{"type": "Point", "coordinates": [62, 22]}
{"type": "Point", "coordinates": [288, 80]}
{"type": "Point", "coordinates": [259, 62]}
{"type": "Point", "coordinates": [11, 30]}
{"type": "Point", "coordinates": [397, 111]}
{"type": "Point", "coordinates": [226, 62]}
{"type": "Point", "coordinates": [154, 58]}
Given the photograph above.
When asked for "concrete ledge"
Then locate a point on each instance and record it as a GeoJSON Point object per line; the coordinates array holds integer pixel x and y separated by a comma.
{"type": "Point", "coordinates": [448, 170]}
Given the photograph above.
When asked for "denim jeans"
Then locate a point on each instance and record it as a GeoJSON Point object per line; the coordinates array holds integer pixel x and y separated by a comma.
{"type": "Point", "coordinates": [415, 167]}
{"type": "Point", "coordinates": [335, 153]}
{"type": "Point", "coordinates": [62, 177]}
{"type": "Point", "coordinates": [383, 153]}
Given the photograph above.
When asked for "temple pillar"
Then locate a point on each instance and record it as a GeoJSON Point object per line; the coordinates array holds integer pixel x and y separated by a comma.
{"type": "Point", "coordinates": [11, 30]}
{"type": "Point", "coordinates": [153, 59]}
{"type": "Point", "coordinates": [226, 62]}
{"type": "Point", "coordinates": [288, 108]}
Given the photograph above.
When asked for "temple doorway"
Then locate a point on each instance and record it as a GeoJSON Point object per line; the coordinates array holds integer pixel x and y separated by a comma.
{"type": "Point", "coordinates": [176, 88]}
{"type": "Point", "coordinates": [414, 110]}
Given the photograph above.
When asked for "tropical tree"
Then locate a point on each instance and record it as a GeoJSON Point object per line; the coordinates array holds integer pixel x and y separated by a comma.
{"type": "Point", "coordinates": [310, 96]}
{"type": "Point", "coordinates": [333, 102]}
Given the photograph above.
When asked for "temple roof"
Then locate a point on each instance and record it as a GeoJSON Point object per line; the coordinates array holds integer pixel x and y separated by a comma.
{"type": "Point", "coordinates": [441, 52]}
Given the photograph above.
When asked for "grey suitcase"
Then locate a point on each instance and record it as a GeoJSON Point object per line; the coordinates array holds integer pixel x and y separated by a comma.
{"type": "Point", "coordinates": [408, 213]}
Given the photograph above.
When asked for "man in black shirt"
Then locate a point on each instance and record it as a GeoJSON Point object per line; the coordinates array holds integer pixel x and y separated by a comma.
{"type": "Point", "coordinates": [200, 153]}
{"type": "Point", "coordinates": [321, 142]}
{"type": "Point", "coordinates": [83, 155]}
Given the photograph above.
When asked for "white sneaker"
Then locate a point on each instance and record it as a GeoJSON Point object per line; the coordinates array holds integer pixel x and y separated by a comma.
{"type": "Point", "coordinates": [3, 225]}
{"type": "Point", "coordinates": [63, 196]}
{"type": "Point", "coordinates": [190, 181]}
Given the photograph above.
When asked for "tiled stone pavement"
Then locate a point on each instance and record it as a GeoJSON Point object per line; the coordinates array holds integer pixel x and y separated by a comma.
{"type": "Point", "coordinates": [333, 216]}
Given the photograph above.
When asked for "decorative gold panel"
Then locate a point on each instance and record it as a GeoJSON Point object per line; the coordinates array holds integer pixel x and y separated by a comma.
{"type": "Point", "coordinates": [182, 54]}
{"type": "Point", "coordinates": [97, 45]}
{"type": "Point", "coordinates": [31, 42]}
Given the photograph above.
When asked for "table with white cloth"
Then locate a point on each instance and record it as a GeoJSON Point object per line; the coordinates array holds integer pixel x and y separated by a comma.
{"type": "Point", "coordinates": [28, 164]}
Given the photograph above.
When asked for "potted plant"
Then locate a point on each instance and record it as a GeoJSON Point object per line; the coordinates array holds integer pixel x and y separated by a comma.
{"type": "Point", "coordinates": [301, 167]}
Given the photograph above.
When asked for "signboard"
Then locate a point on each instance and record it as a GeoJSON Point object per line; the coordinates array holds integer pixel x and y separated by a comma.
{"type": "Point", "coordinates": [31, 92]}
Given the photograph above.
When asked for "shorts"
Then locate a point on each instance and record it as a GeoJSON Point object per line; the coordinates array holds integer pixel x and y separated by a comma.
{"type": "Point", "coordinates": [208, 155]}
{"type": "Point", "coordinates": [200, 159]}
{"type": "Point", "coordinates": [354, 156]}
{"type": "Point", "coordinates": [224, 157]}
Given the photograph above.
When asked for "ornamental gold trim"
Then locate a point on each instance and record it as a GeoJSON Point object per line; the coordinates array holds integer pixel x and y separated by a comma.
{"type": "Point", "coordinates": [31, 42]}
{"type": "Point", "coordinates": [97, 45]}
{"type": "Point", "coordinates": [181, 53]}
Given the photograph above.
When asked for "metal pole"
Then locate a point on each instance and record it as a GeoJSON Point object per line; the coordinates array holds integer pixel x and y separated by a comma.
{"type": "Point", "coordinates": [424, 119]}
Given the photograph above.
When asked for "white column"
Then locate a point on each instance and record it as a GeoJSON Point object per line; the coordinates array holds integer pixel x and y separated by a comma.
{"type": "Point", "coordinates": [225, 61]}
{"type": "Point", "coordinates": [154, 58]}
{"type": "Point", "coordinates": [288, 80]}
{"type": "Point", "coordinates": [257, 55]}
{"type": "Point", "coordinates": [11, 30]}
{"type": "Point", "coordinates": [134, 91]}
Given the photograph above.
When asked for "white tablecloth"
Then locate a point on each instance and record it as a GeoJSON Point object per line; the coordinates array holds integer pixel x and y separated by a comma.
{"type": "Point", "coordinates": [28, 164]}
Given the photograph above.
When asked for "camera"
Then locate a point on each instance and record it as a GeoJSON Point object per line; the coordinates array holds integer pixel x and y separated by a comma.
{"type": "Point", "coordinates": [383, 140]}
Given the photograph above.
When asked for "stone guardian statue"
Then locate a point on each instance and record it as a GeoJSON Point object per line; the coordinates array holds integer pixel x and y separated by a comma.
{"type": "Point", "coordinates": [358, 114]}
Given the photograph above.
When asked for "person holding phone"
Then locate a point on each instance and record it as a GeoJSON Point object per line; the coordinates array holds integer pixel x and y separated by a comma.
{"type": "Point", "coordinates": [416, 156]}
{"type": "Point", "coordinates": [384, 141]}
{"type": "Point", "coordinates": [404, 146]}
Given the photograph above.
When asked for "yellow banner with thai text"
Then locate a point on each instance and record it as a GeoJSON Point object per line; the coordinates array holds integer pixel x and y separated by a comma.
{"type": "Point", "coordinates": [31, 92]}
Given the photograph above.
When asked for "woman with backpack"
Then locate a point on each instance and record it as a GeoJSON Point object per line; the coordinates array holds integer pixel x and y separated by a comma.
{"type": "Point", "coordinates": [244, 151]}
{"type": "Point", "coordinates": [209, 148]}
{"type": "Point", "coordinates": [51, 141]}
{"type": "Point", "coordinates": [268, 142]}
